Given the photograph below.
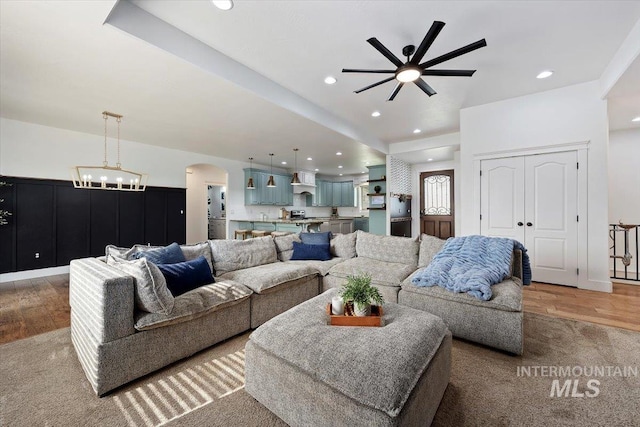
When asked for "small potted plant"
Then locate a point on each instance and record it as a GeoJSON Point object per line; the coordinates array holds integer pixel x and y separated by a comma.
{"type": "Point", "coordinates": [358, 290]}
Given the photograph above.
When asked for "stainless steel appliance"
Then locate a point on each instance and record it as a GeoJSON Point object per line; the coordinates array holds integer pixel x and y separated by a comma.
{"type": "Point", "coordinates": [297, 214]}
{"type": "Point", "coordinates": [400, 212]}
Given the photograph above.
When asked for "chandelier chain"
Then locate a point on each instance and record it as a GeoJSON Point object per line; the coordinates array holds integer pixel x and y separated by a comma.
{"type": "Point", "coordinates": [105, 117]}
{"type": "Point", "coordinates": [118, 120]}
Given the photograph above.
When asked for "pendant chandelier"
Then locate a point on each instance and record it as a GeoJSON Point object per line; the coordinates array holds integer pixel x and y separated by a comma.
{"type": "Point", "coordinates": [295, 180]}
{"type": "Point", "coordinates": [107, 177]}
{"type": "Point", "coordinates": [250, 185]}
{"type": "Point", "coordinates": [271, 182]}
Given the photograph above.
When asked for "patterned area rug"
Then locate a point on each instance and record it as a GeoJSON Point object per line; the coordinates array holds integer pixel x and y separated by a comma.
{"type": "Point", "coordinates": [571, 374]}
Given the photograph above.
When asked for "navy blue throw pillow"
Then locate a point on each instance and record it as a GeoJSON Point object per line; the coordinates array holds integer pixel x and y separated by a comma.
{"type": "Point", "coordinates": [168, 255]}
{"type": "Point", "coordinates": [302, 251]}
{"type": "Point", "coordinates": [185, 276]}
{"type": "Point", "coordinates": [316, 238]}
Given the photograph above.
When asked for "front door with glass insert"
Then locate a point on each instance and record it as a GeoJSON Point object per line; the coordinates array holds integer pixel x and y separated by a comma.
{"type": "Point", "coordinates": [436, 204]}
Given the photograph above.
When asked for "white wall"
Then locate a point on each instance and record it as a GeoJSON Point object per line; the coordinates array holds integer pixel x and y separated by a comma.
{"type": "Point", "coordinates": [35, 151]}
{"type": "Point", "coordinates": [624, 185]}
{"type": "Point", "coordinates": [562, 116]}
{"type": "Point", "coordinates": [416, 184]}
{"type": "Point", "coordinates": [197, 177]}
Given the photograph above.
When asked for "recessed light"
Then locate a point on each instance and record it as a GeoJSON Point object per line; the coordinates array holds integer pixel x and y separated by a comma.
{"type": "Point", "coordinates": [375, 114]}
{"type": "Point", "coordinates": [544, 74]}
{"type": "Point", "coordinates": [284, 163]}
{"type": "Point", "coordinates": [340, 174]}
{"type": "Point", "coordinates": [223, 4]}
{"type": "Point", "coordinates": [330, 80]}
{"type": "Point", "coordinates": [309, 158]}
{"type": "Point", "coordinates": [340, 167]}
{"type": "Point", "coordinates": [338, 154]}
{"type": "Point", "coordinates": [429, 160]}
{"type": "Point", "coordinates": [636, 119]}
{"type": "Point", "coordinates": [417, 131]}
{"type": "Point", "coordinates": [364, 171]}
{"type": "Point", "coordinates": [316, 169]}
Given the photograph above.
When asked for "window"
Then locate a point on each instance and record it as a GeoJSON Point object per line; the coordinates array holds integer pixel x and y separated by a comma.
{"type": "Point", "coordinates": [361, 196]}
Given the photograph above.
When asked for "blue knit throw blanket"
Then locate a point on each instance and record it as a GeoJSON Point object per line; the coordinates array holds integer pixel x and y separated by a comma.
{"type": "Point", "coordinates": [470, 264]}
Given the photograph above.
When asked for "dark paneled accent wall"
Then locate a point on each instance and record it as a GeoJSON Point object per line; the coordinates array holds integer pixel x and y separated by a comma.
{"type": "Point", "coordinates": [53, 223]}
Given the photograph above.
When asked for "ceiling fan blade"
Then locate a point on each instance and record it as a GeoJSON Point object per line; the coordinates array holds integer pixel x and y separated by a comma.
{"type": "Point", "coordinates": [395, 91]}
{"type": "Point", "coordinates": [425, 87]}
{"type": "Point", "coordinates": [451, 73]}
{"type": "Point", "coordinates": [428, 39]}
{"type": "Point", "coordinates": [454, 53]}
{"type": "Point", "coordinates": [375, 84]}
{"type": "Point", "coordinates": [386, 52]}
{"type": "Point", "coordinates": [349, 70]}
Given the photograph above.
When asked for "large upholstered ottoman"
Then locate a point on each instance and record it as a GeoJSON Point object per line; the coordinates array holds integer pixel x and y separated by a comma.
{"type": "Point", "coordinates": [313, 374]}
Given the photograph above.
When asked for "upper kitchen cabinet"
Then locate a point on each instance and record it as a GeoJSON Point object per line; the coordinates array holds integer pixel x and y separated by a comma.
{"type": "Point", "coordinates": [346, 188]}
{"type": "Point", "coordinates": [343, 194]}
{"type": "Point", "coordinates": [324, 193]}
{"type": "Point", "coordinates": [280, 195]}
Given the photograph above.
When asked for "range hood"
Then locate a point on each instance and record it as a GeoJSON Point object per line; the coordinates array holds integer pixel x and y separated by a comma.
{"type": "Point", "coordinates": [304, 189]}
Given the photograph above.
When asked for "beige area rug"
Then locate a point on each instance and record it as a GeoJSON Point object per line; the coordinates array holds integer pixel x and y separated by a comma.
{"type": "Point", "coordinates": [42, 384]}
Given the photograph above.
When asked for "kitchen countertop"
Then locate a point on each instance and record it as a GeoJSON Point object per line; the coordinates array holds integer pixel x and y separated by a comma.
{"type": "Point", "coordinates": [312, 220]}
{"type": "Point", "coordinates": [283, 221]}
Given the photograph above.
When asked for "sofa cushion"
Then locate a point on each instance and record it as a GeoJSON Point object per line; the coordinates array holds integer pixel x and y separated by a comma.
{"type": "Point", "coordinates": [232, 255]}
{"type": "Point", "coordinates": [284, 245]}
{"type": "Point", "coordinates": [195, 303]}
{"type": "Point", "coordinates": [343, 245]}
{"type": "Point", "coordinates": [164, 255]}
{"type": "Point", "coordinates": [507, 295]}
{"type": "Point", "coordinates": [185, 276]}
{"type": "Point", "coordinates": [151, 292]}
{"type": "Point", "coordinates": [382, 273]}
{"type": "Point", "coordinates": [395, 249]}
{"type": "Point", "coordinates": [322, 267]}
{"type": "Point", "coordinates": [429, 246]}
{"type": "Point", "coordinates": [316, 238]}
{"type": "Point", "coordinates": [263, 278]}
{"type": "Point", "coordinates": [189, 251]}
{"type": "Point", "coordinates": [303, 251]}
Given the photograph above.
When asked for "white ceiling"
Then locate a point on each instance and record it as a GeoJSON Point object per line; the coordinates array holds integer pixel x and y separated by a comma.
{"type": "Point", "coordinates": [60, 66]}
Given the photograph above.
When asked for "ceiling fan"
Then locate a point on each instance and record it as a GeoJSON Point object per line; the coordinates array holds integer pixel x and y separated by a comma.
{"type": "Point", "coordinates": [411, 70]}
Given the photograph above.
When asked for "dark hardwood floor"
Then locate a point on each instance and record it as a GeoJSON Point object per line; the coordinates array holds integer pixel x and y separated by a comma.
{"type": "Point", "coordinates": [35, 306]}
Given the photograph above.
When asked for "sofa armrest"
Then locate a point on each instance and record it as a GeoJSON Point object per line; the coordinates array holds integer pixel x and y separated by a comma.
{"type": "Point", "coordinates": [516, 264]}
{"type": "Point", "coordinates": [101, 299]}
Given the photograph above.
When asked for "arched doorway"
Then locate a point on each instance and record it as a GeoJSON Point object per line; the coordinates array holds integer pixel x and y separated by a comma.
{"type": "Point", "coordinates": [199, 178]}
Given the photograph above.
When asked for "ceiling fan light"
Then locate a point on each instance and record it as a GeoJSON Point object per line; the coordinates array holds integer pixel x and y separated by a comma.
{"type": "Point", "coordinates": [408, 74]}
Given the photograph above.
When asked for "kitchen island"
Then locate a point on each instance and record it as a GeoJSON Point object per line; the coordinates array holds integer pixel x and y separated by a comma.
{"type": "Point", "coordinates": [276, 224]}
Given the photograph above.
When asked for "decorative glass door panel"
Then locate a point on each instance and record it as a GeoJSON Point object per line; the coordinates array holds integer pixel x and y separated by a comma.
{"type": "Point", "coordinates": [436, 203]}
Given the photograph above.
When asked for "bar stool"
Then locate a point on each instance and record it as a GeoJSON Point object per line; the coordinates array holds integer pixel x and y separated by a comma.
{"type": "Point", "coordinates": [243, 233]}
{"type": "Point", "coordinates": [259, 233]}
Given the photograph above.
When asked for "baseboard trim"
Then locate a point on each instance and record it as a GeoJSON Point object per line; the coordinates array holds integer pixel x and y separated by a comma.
{"type": "Point", "coordinates": [597, 285]}
{"type": "Point", "coordinates": [32, 274]}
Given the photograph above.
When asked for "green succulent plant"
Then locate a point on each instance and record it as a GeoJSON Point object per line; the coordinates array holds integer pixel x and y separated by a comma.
{"type": "Point", "coordinates": [359, 290]}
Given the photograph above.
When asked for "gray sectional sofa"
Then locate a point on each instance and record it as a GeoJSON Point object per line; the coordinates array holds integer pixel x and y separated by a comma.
{"type": "Point", "coordinates": [119, 336]}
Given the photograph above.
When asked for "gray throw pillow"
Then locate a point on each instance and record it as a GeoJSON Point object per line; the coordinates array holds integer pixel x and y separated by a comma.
{"type": "Point", "coordinates": [344, 245]}
{"type": "Point", "coordinates": [429, 247]}
{"type": "Point", "coordinates": [151, 291]}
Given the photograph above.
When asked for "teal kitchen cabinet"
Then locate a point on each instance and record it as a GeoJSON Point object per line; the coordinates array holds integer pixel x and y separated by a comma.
{"type": "Point", "coordinates": [280, 195]}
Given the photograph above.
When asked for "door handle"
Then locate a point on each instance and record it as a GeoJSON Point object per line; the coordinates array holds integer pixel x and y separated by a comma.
{"type": "Point", "coordinates": [520, 224]}
{"type": "Point", "coordinates": [529, 224]}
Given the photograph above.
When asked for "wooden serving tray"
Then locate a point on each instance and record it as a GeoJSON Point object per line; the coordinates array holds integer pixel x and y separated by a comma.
{"type": "Point", "coordinates": [375, 319]}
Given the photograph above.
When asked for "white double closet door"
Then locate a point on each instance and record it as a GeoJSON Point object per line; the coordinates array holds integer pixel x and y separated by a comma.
{"type": "Point", "coordinates": [533, 199]}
